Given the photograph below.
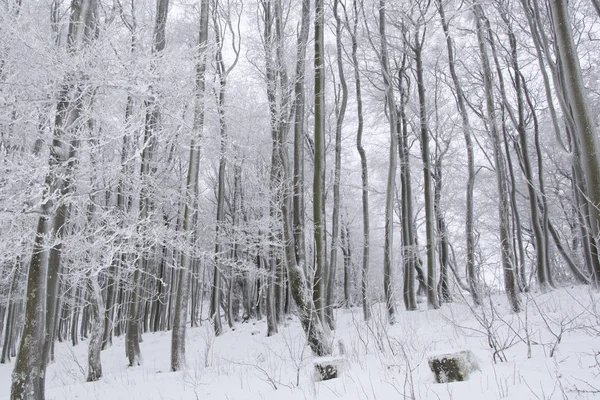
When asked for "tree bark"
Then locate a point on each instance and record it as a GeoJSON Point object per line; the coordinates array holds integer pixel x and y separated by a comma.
{"type": "Point", "coordinates": [191, 193]}
{"type": "Point", "coordinates": [584, 122]}
{"type": "Point", "coordinates": [472, 273]}
{"type": "Point", "coordinates": [319, 165]}
{"type": "Point", "coordinates": [28, 379]}
{"type": "Point", "coordinates": [95, 345]}
{"type": "Point", "coordinates": [364, 171]}
{"type": "Point", "coordinates": [503, 214]}
{"type": "Point", "coordinates": [432, 298]}
{"type": "Point", "coordinates": [388, 280]}
{"type": "Point", "coordinates": [335, 224]}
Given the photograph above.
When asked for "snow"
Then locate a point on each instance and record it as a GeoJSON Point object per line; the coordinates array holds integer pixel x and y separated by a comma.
{"type": "Point", "coordinates": [381, 361]}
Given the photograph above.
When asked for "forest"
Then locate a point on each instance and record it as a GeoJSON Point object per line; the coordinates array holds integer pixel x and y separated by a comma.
{"type": "Point", "coordinates": [172, 164]}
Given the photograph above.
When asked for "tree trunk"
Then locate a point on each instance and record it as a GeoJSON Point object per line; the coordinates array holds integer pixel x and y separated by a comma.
{"type": "Point", "coordinates": [388, 259]}
{"type": "Point", "coordinates": [503, 214]}
{"type": "Point", "coordinates": [95, 346]}
{"type": "Point", "coordinates": [472, 273]}
{"type": "Point", "coordinates": [542, 269]}
{"type": "Point", "coordinates": [299, 106]}
{"type": "Point", "coordinates": [409, 247]}
{"type": "Point", "coordinates": [432, 298]}
{"type": "Point", "coordinates": [11, 315]}
{"type": "Point", "coordinates": [335, 225]}
{"type": "Point", "coordinates": [191, 192]}
{"type": "Point", "coordinates": [319, 165]}
{"type": "Point", "coordinates": [364, 171]}
{"type": "Point", "coordinates": [28, 378]}
{"type": "Point", "coordinates": [584, 122]}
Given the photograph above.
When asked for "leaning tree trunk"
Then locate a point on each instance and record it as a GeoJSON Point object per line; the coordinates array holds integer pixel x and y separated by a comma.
{"type": "Point", "coordinates": [586, 129]}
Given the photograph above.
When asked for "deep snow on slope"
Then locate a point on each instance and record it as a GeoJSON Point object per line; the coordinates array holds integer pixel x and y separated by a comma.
{"type": "Point", "coordinates": [560, 331]}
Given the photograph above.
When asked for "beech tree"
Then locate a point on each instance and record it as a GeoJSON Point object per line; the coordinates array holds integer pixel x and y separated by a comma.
{"type": "Point", "coordinates": [28, 380]}
{"type": "Point", "coordinates": [191, 193]}
{"type": "Point", "coordinates": [115, 226]}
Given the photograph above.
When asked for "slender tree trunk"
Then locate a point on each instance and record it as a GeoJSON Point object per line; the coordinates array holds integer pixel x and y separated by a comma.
{"type": "Point", "coordinates": [432, 298]}
{"type": "Point", "coordinates": [542, 269]}
{"type": "Point", "coordinates": [181, 301]}
{"type": "Point", "coordinates": [503, 214]}
{"type": "Point", "coordinates": [335, 225]}
{"type": "Point", "coordinates": [472, 273]}
{"type": "Point", "coordinates": [136, 311]}
{"type": "Point", "coordinates": [347, 254]}
{"type": "Point", "coordinates": [316, 335]}
{"type": "Point", "coordinates": [10, 326]}
{"type": "Point", "coordinates": [275, 171]}
{"type": "Point", "coordinates": [409, 247]}
{"type": "Point", "coordinates": [132, 344]}
{"type": "Point", "coordinates": [319, 165]}
{"type": "Point", "coordinates": [364, 171]}
{"type": "Point", "coordinates": [388, 259]}
{"type": "Point", "coordinates": [299, 111]}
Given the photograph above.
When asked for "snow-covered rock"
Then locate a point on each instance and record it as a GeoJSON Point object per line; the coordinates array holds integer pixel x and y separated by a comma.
{"type": "Point", "coordinates": [452, 366]}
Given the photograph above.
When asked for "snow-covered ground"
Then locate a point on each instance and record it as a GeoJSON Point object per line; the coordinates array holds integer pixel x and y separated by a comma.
{"type": "Point", "coordinates": [380, 361]}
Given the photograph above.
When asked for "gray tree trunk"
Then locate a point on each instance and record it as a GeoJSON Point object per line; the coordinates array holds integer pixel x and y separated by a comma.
{"type": "Point", "coordinates": [95, 345]}
{"type": "Point", "coordinates": [317, 337]}
{"type": "Point", "coordinates": [28, 379]}
{"type": "Point", "coordinates": [539, 234]}
{"type": "Point", "coordinates": [388, 253]}
{"type": "Point", "coordinates": [319, 165]}
{"type": "Point", "coordinates": [472, 273]}
{"type": "Point", "coordinates": [503, 212]}
{"type": "Point", "coordinates": [430, 220]}
{"type": "Point", "coordinates": [335, 224]}
{"type": "Point", "coordinates": [364, 171]}
{"type": "Point", "coordinates": [123, 203]}
{"type": "Point", "coordinates": [584, 121]}
{"type": "Point", "coordinates": [409, 245]}
{"type": "Point", "coordinates": [191, 193]}
{"type": "Point", "coordinates": [299, 111]}
{"type": "Point", "coordinates": [153, 116]}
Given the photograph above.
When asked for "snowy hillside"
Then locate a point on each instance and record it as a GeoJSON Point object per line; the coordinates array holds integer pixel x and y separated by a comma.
{"type": "Point", "coordinates": [381, 361]}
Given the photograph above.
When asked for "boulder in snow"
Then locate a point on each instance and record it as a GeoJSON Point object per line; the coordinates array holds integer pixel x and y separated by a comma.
{"type": "Point", "coordinates": [453, 366]}
{"type": "Point", "coordinates": [328, 368]}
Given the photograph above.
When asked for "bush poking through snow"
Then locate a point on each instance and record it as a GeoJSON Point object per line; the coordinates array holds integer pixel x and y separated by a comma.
{"type": "Point", "coordinates": [453, 367]}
